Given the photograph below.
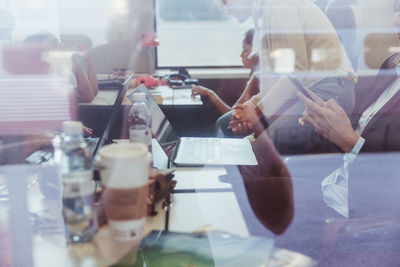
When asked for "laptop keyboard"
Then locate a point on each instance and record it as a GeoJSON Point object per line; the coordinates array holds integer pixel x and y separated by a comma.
{"type": "Point", "coordinates": [39, 156]}
{"type": "Point", "coordinates": [201, 149]}
{"type": "Point", "coordinates": [43, 155]}
{"type": "Point", "coordinates": [91, 143]}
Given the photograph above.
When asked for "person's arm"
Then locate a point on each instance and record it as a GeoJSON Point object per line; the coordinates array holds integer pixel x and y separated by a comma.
{"type": "Point", "coordinates": [245, 118]}
{"type": "Point", "coordinates": [87, 86]}
{"type": "Point", "coordinates": [251, 89]}
{"type": "Point", "coordinates": [92, 74]}
{"type": "Point", "coordinates": [269, 186]}
{"type": "Point", "coordinates": [330, 120]}
{"type": "Point", "coordinates": [247, 114]}
{"type": "Point", "coordinates": [214, 98]}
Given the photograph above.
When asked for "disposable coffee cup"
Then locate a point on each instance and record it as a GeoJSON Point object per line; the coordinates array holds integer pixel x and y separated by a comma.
{"type": "Point", "coordinates": [124, 171]}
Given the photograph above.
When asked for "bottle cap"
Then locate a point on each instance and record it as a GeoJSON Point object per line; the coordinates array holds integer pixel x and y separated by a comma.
{"type": "Point", "coordinates": [72, 127]}
{"type": "Point", "coordinates": [139, 96]}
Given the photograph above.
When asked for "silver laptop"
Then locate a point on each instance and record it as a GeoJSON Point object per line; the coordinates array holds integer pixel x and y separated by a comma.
{"type": "Point", "coordinates": [195, 151]}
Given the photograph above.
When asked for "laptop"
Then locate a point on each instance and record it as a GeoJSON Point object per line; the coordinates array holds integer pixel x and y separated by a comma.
{"type": "Point", "coordinates": [114, 114]}
{"type": "Point", "coordinates": [93, 144]}
{"type": "Point", "coordinates": [195, 151]}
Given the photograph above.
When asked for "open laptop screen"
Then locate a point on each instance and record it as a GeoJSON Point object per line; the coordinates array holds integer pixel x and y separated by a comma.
{"type": "Point", "coordinates": [160, 126]}
{"type": "Point", "coordinates": [116, 107]}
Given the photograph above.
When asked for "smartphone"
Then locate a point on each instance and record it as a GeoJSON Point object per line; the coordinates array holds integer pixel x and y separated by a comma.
{"type": "Point", "coordinates": [300, 87]}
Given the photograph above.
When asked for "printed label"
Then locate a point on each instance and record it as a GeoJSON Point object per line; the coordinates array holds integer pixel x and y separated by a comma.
{"type": "Point", "coordinates": [127, 230]}
{"type": "Point", "coordinates": [126, 204]}
{"type": "Point", "coordinates": [78, 184]}
{"type": "Point", "coordinates": [142, 136]}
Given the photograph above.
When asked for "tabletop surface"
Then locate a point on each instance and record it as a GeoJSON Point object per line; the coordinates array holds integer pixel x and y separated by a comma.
{"type": "Point", "coordinates": [189, 212]}
{"type": "Point", "coordinates": [214, 197]}
{"type": "Point", "coordinates": [164, 96]}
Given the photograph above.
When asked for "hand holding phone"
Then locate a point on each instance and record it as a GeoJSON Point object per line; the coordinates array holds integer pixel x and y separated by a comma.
{"type": "Point", "coordinates": [300, 87]}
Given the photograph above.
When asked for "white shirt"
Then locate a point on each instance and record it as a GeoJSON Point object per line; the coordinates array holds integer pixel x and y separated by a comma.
{"type": "Point", "coordinates": [335, 186]}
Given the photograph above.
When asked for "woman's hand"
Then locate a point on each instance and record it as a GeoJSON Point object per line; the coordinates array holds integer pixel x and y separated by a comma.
{"type": "Point", "coordinates": [201, 90]}
{"type": "Point", "coordinates": [243, 119]}
{"type": "Point", "coordinates": [330, 120]}
{"type": "Point", "coordinates": [246, 113]}
{"type": "Point", "coordinates": [87, 131]}
{"type": "Point", "coordinates": [240, 128]}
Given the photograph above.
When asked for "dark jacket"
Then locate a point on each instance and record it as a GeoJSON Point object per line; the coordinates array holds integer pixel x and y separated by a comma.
{"type": "Point", "coordinates": [382, 133]}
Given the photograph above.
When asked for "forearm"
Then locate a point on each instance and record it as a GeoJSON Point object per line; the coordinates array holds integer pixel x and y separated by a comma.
{"type": "Point", "coordinates": [217, 101]}
{"type": "Point", "coordinates": [92, 76]}
{"type": "Point", "coordinates": [83, 87]}
{"type": "Point", "coordinates": [250, 90]}
{"type": "Point", "coordinates": [348, 142]}
{"type": "Point", "coordinates": [280, 92]}
{"type": "Point", "coordinates": [269, 182]}
{"type": "Point", "coordinates": [87, 87]}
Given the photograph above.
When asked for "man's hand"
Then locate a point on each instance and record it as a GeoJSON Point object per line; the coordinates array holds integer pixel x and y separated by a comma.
{"type": "Point", "coordinates": [330, 120]}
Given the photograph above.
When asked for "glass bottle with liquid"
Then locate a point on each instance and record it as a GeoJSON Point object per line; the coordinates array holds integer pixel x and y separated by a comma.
{"type": "Point", "coordinates": [140, 121]}
{"type": "Point", "coordinates": [77, 175]}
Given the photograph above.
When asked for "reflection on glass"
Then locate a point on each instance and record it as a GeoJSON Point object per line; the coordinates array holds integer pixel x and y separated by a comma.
{"type": "Point", "coordinates": [336, 209]}
{"type": "Point", "coordinates": [268, 186]}
{"type": "Point", "coordinates": [161, 128]}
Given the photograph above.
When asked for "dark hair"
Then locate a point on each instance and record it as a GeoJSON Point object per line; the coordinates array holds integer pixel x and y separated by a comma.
{"type": "Point", "coordinates": [391, 62]}
{"type": "Point", "coordinates": [248, 37]}
{"type": "Point", "coordinates": [36, 38]}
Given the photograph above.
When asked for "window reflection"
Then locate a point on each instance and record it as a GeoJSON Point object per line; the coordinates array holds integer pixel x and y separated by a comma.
{"type": "Point", "coordinates": [314, 86]}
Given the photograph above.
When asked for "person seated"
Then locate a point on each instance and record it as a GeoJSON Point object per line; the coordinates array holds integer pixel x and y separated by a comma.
{"type": "Point", "coordinates": [375, 117]}
{"type": "Point", "coordinates": [84, 77]}
{"type": "Point", "coordinates": [291, 36]}
{"type": "Point", "coordinates": [382, 102]}
{"type": "Point", "coordinates": [375, 109]}
{"type": "Point", "coordinates": [250, 62]}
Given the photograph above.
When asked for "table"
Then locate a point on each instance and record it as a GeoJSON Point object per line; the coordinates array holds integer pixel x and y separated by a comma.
{"type": "Point", "coordinates": [175, 97]}
{"type": "Point", "coordinates": [188, 114]}
{"type": "Point", "coordinates": [189, 212]}
{"type": "Point", "coordinates": [164, 95]}
{"type": "Point", "coordinates": [104, 98]}
{"type": "Point", "coordinates": [198, 179]}
{"type": "Point", "coordinates": [370, 237]}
